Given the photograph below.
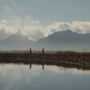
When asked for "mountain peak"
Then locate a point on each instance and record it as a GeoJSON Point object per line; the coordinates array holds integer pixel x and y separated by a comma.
{"type": "Point", "coordinates": [65, 36]}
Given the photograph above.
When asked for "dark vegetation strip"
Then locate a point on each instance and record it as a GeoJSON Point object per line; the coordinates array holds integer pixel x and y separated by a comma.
{"type": "Point", "coordinates": [79, 60]}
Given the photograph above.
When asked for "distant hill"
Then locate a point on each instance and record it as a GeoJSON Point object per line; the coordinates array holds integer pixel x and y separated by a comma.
{"type": "Point", "coordinates": [66, 37]}
{"type": "Point", "coordinates": [15, 41]}
{"type": "Point", "coordinates": [62, 40]}
{"type": "Point", "coordinates": [67, 40]}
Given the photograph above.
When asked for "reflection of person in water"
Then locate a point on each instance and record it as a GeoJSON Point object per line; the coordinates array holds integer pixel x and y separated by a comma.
{"type": "Point", "coordinates": [42, 66]}
{"type": "Point", "coordinates": [30, 66]}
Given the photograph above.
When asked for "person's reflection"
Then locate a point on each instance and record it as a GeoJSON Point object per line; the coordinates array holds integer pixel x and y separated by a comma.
{"type": "Point", "coordinates": [42, 66]}
{"type": "Point", "coordinates": [30, 66]}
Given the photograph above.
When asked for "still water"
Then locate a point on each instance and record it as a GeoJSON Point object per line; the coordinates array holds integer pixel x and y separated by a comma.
{"type": "Point", "coordinates": [37, 77]}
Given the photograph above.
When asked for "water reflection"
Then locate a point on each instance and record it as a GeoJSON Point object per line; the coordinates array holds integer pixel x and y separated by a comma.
{"type": "Point", "coordinates": [60, 70]}
{"type": "Point", "coordinates": [31, 66]}
{"type": "Point", "coordinates": [42, 77]}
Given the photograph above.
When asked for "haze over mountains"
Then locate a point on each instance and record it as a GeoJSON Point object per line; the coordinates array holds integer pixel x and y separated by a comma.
{"type": "Point", "coordinates": [61, 40]}
{"type": "Point", "coordinates": [16, 41]}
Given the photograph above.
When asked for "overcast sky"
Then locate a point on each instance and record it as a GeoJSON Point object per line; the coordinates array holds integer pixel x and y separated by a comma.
{"type": "Point", "coordinates": [34, 16]}
{"type": "Point", "coordinates": [47, 11]}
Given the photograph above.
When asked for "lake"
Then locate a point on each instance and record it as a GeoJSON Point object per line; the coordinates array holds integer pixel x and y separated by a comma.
{"type": "Point", "coordinates": [38, 77]}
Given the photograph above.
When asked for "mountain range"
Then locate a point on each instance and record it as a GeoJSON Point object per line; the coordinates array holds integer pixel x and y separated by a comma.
{"type": "Point", "coordinates": [61, 40]}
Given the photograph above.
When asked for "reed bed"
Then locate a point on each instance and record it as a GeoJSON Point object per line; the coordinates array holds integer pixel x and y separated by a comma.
{"type": "Point", "coordinates": [65, 58]}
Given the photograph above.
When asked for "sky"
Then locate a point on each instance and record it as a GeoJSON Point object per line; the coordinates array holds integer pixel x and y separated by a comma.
{"type": "Point", "coordinates": [40, 18]}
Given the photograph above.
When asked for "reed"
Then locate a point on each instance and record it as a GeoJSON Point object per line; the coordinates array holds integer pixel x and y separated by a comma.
{"type": "Point", "coordinates": [65, 58]}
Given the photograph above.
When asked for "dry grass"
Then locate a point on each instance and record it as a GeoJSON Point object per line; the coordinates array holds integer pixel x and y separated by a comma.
{"type": "Point", "coordinates": [65, 58]}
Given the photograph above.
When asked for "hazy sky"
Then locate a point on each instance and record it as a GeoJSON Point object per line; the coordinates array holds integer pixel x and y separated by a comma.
{"type": "Point", "coordinates": [47, 11]}
{"type": "Point", "coordinates": [43, 17]}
